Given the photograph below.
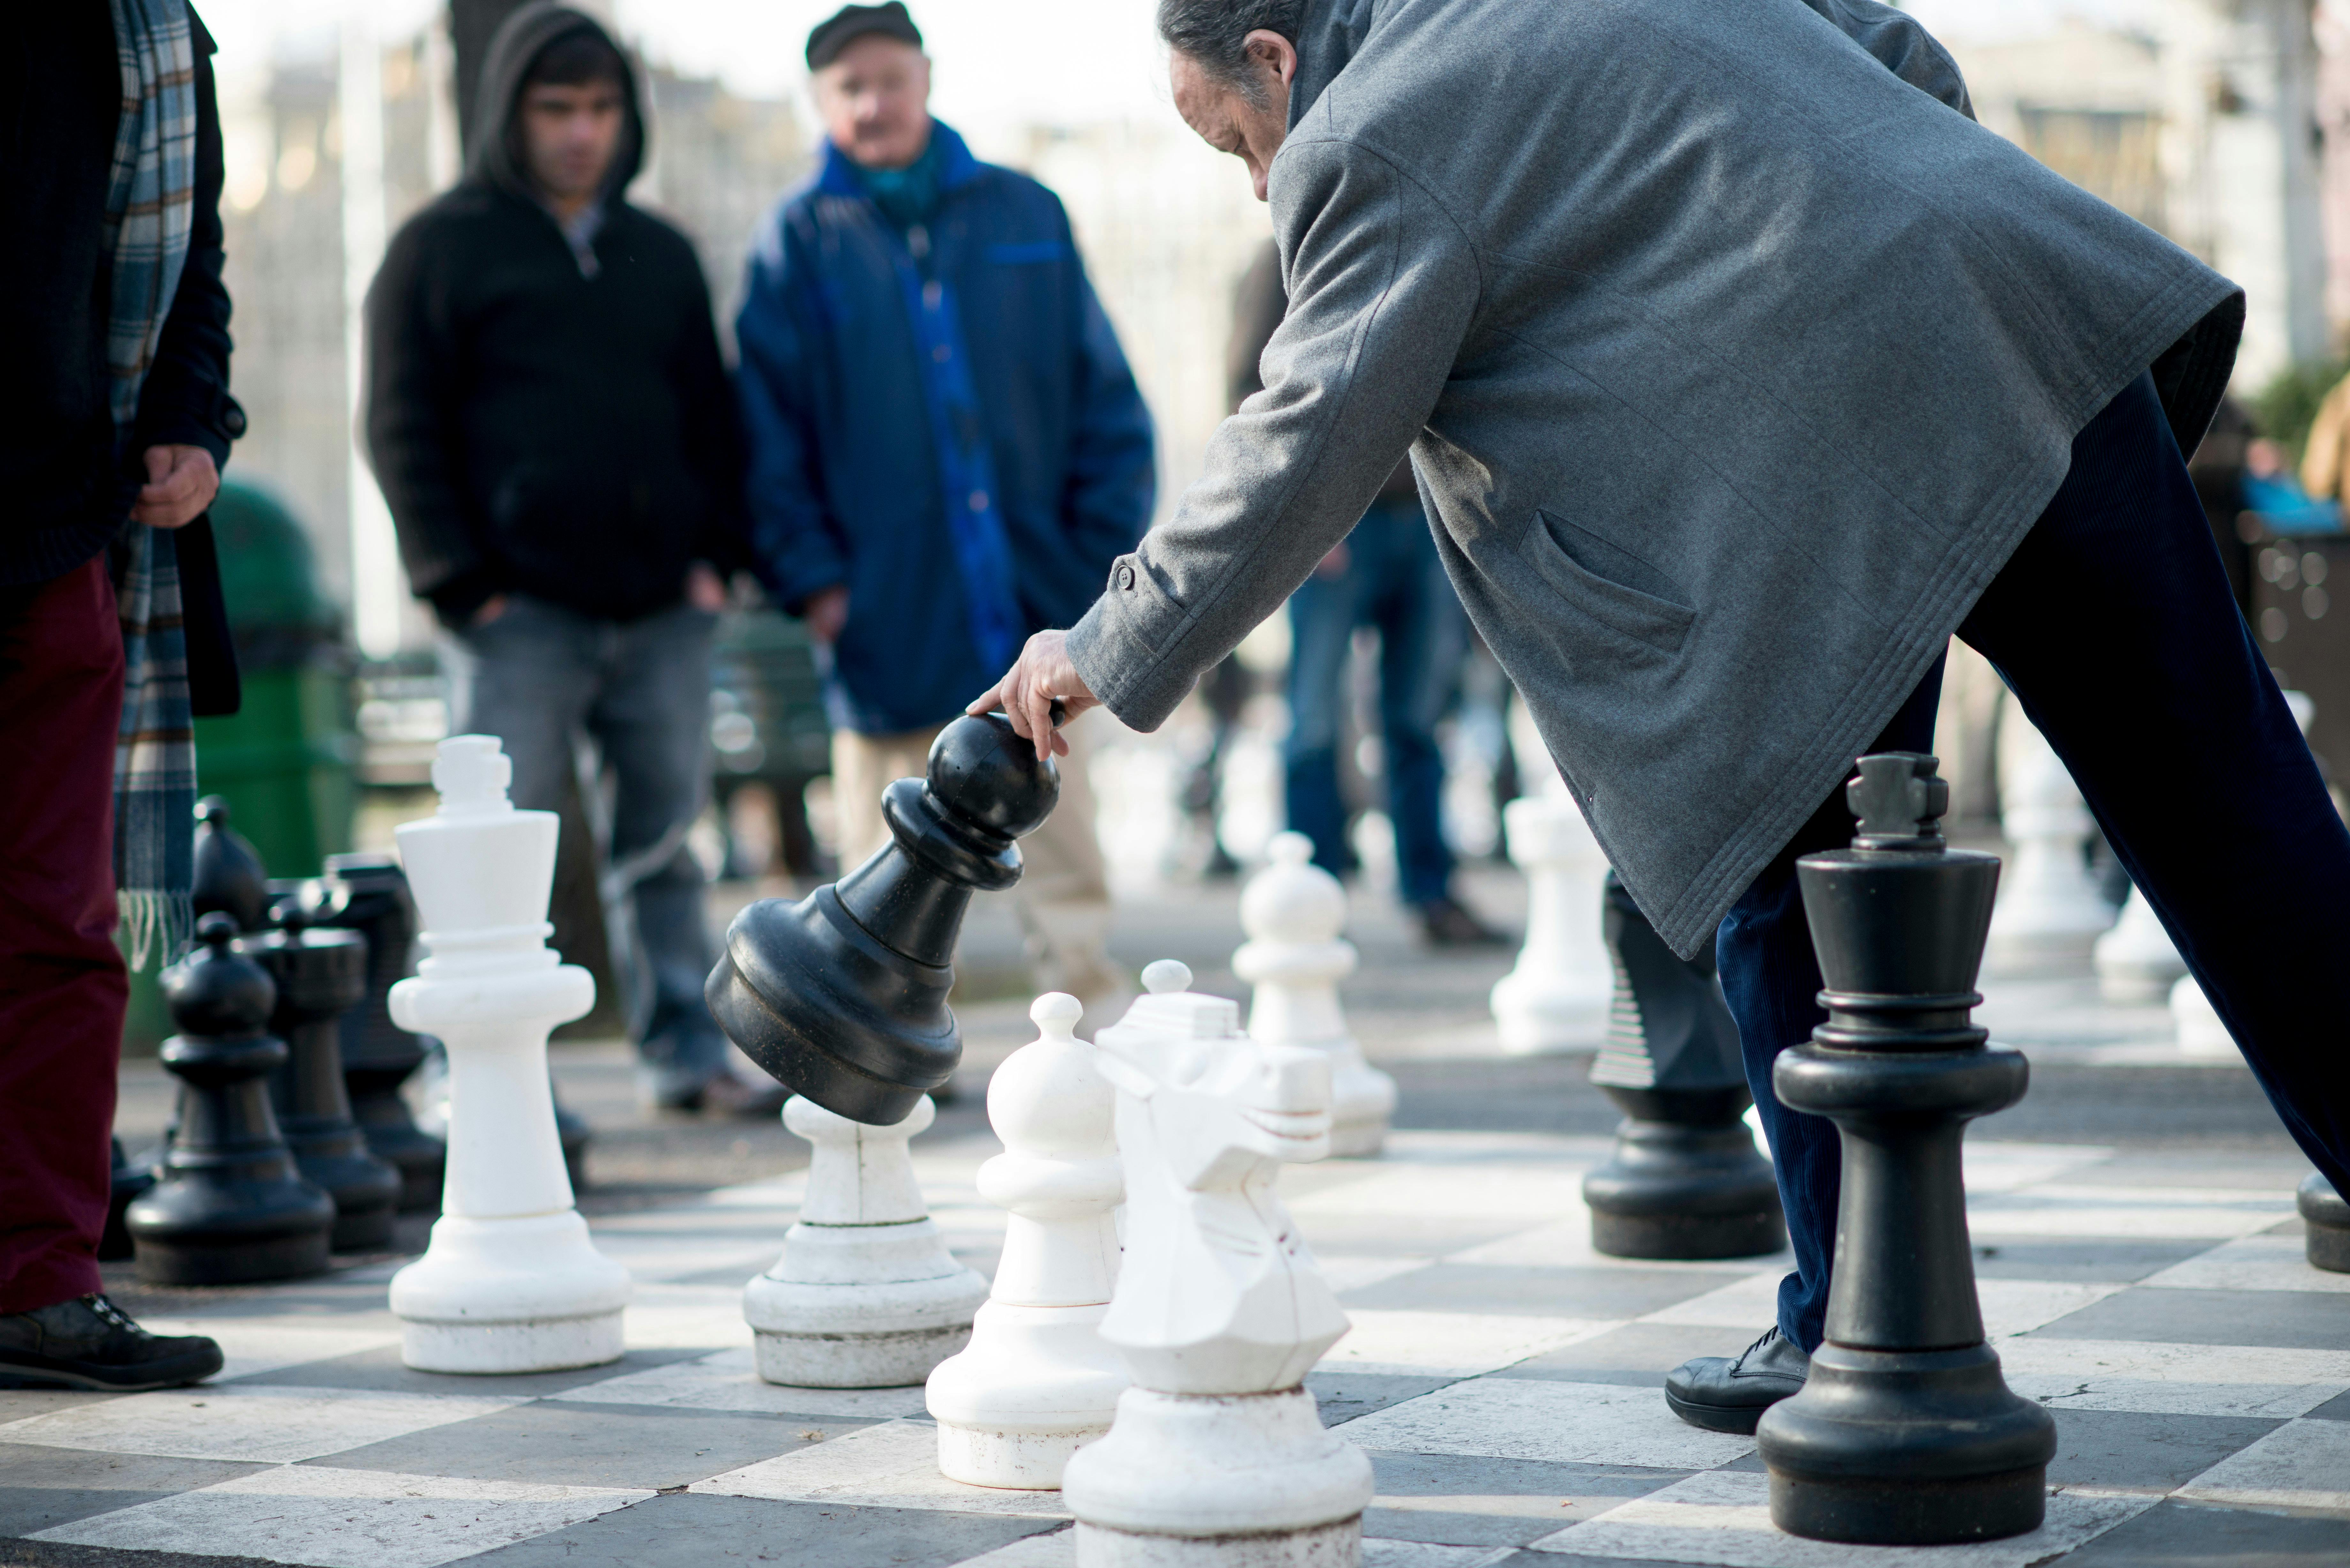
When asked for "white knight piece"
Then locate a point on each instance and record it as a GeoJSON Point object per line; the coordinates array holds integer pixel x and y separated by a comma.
{"type": "Point", "coordinates": [1293, 911]}
{"type": "Point", "coordinates": [1038, 1381]}
{"type": "Point", "coordinates": [511, 1282]}
{"type": "Point", "coordinates": [1220, 1311]}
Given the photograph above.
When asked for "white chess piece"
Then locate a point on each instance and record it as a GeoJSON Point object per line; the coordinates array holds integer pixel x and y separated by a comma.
{"type": "Point", "coordinates": [1218, 1454]}
{"type": "Point", "coordinates": [2137, 961]}
{"type": "Point", "coordinates": [1038, 1381]}
{"type": "Point", "coordinates": [2049, 914]}
{"type": "Point", "coordinates": [866, 1295]}
{"type": "Point", "coordinates": [1557, 997]}
{"type": "Point", "coordinates": [511, 1282]}
{"type": "Point", "coordinates": [1293, 911]}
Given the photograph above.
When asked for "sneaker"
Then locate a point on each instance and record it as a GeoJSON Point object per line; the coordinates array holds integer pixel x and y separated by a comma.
{"type": "Point", "coordinates": [1729, 1394]}
{"type": "Point", "coordinates": [90, 1343]}
{"type": "Point", "coordinates": [1445, 924]}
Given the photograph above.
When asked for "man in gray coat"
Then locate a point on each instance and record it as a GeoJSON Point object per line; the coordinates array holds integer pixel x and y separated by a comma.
{"type": "Point", "coordinates": [1740, 369]}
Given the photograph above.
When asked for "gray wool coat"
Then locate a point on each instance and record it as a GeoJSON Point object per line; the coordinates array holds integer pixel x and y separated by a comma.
{"type": "Point", "coordinates": [1733, 358]}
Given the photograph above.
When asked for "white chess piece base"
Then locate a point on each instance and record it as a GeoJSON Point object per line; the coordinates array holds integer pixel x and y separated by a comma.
{"type": "Point", "coordinates": [1045, 1388]}
{"type": "Point", "coordinates": [2136, 964]}
{"type": "Point", "coordinates": [2200, 1033]}
{"type": "Point", "coordinates": [1362, 1103]}
{"type": "Point", "coordinates": [1219, 1481]}
{"type": "Point", "coordinates": [526, 1295]}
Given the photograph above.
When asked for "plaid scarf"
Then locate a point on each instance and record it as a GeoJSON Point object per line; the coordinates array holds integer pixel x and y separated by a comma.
{"type": "Point", "coordinates": [149, 207]}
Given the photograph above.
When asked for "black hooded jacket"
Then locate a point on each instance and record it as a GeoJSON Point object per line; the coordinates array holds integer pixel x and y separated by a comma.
{"type": "Point", "coordinates": [536, 430]}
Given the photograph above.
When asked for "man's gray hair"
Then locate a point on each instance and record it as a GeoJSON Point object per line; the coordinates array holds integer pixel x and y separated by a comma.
{"type": "Point", "coordinates": [1214, 33]}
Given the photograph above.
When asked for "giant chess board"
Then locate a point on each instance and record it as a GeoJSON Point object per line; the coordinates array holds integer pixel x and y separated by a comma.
{"type": "Point", "coordinates": [1503, 1379]}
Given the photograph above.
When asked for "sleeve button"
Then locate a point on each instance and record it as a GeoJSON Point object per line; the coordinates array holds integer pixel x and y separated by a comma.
{"type": "Point", "coordinates": [1125, 579]}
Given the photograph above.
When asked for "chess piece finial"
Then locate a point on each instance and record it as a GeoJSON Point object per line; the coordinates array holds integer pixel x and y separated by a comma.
{"type": "Point", "coordinates": [227, 873]}
{"type": "Point", "coordinates": [228, 1205]}
{"type": "Point", "coordinates": [1899, 799]}
{"type": "Point", "coordinates": [1293, 912]}
{"type": "Point", "coordinates": [843, 995]}
{"type": "Point", "coordinates": [1904, 1433]}
{"type": "Point", "coordinates": [1037, 1381]}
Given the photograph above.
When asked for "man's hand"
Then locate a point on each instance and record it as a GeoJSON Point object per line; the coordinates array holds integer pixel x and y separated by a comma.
{"type": "Point", "coordinates": [492, 608]}
{"type": "Point", "coordinates": [826, 612]}
{"type": "Point", "coordinates": [181, 483]}
{"type": "Point", "coordinates": [705, 590]}
{"type": "Point", "coordinates": [1042, 675]}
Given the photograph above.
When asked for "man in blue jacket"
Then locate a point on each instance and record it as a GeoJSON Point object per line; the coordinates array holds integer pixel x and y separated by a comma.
{"type": "Point", "coordinates": [948, 450]}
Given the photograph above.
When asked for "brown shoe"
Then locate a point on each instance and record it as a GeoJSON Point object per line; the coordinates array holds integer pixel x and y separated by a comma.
{"type": "Point", "coordinates": [728, 1095]}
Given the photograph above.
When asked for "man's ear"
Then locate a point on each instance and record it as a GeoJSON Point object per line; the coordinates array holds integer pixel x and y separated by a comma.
{"type": "Point", "coordinates": [1274, 50]}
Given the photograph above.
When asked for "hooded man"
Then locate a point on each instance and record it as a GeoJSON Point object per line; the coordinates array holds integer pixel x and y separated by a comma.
{"type": "Point", "coordinates": [947, 447]}
{"type": "Point", "coordinates": [552, 425]}
{"type": "Point", "coordinates": [1740, 369]}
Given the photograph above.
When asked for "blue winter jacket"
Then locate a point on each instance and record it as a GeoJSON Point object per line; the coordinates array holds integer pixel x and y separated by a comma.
{"type": "Point", "coordinates": [942, 420]}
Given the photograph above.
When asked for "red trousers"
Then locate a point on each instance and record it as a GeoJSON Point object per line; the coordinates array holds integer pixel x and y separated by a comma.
{"type": "Point", "coordinates": [62, 986]}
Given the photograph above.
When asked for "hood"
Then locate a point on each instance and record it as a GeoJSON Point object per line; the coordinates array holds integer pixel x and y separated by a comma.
{"type": "Point", "coordinates": [1329, 37]}
{"type": "Point", "coordinates": [496, 156]}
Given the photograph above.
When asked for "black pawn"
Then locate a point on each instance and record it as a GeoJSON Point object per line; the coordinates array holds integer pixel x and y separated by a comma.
{"type": "Point", "coordinates": [129, 1181]}
{"type": "Point", "coordinates": [229, 1206]}
{"type": "Point", "coordinates": [2325, 1224]}
{"type": "Point", "coordinates": [228, 873]}
{"type": "Point", "coordinates": [321, 975]}
{"type": "Point", "coordinates": [1905, 1434]}
{"type": "Point", "coordinates": [843, 995]}
{"type": "Point", "coordinates": [1685, 1180]}
{"type": "Point", "coordinates": [369, 894]}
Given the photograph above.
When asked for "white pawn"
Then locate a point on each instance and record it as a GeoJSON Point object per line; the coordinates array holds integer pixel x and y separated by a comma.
{"type": "Point", "coordinates": [1038, 1382]}
{"type": "Point", "coordinates": [2200, 1033]}
{"type": "Point", "coordinates": [1217, 1455]}
{"type": "Point", "coordinates": [1293, 911]}
{"type": "Point", "coordinates": [866, 1295]}
{"type": "Point", "coordinates": [1557, 997]}
{"type": "Point", "coordinates": [2049, 914]}
{"type": "Point", "coordinates": [511, 1282]}
{"type": "Point", "coordinates": [2137, 961]}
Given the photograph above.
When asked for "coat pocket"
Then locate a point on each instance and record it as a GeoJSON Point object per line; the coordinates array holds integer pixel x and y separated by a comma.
{"type": "Point", "coordinates": [1586, 571]}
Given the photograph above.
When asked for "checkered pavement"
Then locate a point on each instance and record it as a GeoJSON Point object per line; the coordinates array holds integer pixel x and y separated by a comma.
{"type": "Point", "coordinates": [1502, 1376]}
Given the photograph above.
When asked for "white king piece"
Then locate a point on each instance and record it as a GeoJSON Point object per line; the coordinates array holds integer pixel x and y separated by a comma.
{"type": "Point", "coordinates": [1216, 1453]}
{"type": "Point", "coordinates": [511, 1282]}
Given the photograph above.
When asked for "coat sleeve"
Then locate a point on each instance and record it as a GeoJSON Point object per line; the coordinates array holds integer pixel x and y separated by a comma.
{"type": "Point", "coordinates": [1901, 47]}
{"type": "Point", "coordinates": [1112, 479]}
{"type": "Point", "coordinates": [184, 400]}
{"type": "Point", "coordinates": [411, 442]}
{"type": "Point", "coordinates": [1383, 285]}
{"type": "Point", "coordinates": [797, 550]}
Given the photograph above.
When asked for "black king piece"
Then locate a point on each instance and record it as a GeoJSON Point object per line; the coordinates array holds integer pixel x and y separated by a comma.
{"type": "Point", "coordinates": [1905, 1434]}
{"type": "Point", "coordinates": [842, 997]}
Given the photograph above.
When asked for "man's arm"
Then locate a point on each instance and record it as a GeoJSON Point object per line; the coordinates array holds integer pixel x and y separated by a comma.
{"type": "Point", "coordinates": [794, 547]}
{"type": "Point", "coordinates": [1901, 46]}
{"type": "Point", "coordinates": [1113, 479]}
{"type": "Point", "coordinates": [713, 423]}
{"type": "Point", "coordinates": [1382, 288]}
{"type": "Point", "coordinates": [409, 398]}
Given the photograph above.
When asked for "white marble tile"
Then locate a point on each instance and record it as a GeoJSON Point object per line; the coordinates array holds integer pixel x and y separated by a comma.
{"type": "Point", "coordinates": [1567, 1244]}
{"type": "Point", "coordinates": [730, 1381]}
{"type": "Point", "coordinates": [2009, 1306]}
{"type": "Point", "coordinates": [2180, 1379]}
{"type": "Point", "coordinates": [2170, 1213]}
{"type": "Point", "coordinates": [250, 1421]}
{"type": "Point", "coordinates": [1752, 1301]}
{"type": "Point", "coordinates": [1995, 1167]}
{"type": "Point", "coordinates": [1724, 1517]}
{"type": "Point", "coordinates": [344, 1518]}
{"type": "Point", "coordinates": [1561, 1423]}
{"type": "Point", "coordinates": [253, 1346]}
{"type": "Point", "coordinates": [649, 1255]}
{"type": "Point", "coordinates": [1458, 1344]}
{"type": "Point", "coordinates": [1058, 1549]}
{"type": "Point", "coordinates": [893, 1465]}
{"type": "Point", "coordinates": [1483, 1193]}
{"type": "Point", "coordinates": [1345, 1272]}
{"type": "Point", "coordinates": [662, 1316]}
{"type": "Point", "coordinates": [2302, 1464]}
{"type": "Point", "coordinates": [1049, 1549]}
{"type": "Point", "coordinates": [2249, 1263]}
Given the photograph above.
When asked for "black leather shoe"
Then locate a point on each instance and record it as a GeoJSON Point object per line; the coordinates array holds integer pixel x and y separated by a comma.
{"type": "Point", "coordinates": [89, 1343]}
{"type": "Point", "coordinates": [1725, 1394]}
{"type": "Point", "coordinates": [1445, 924]}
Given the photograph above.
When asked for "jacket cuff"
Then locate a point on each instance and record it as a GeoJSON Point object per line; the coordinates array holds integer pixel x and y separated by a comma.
{"type": "Point", "coordinates": [1117, 647]}
{"type": "Point", "coordinates": [184, 427]}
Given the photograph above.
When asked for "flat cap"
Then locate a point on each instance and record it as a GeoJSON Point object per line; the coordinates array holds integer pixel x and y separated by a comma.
{"type": "Point", "coordinates": [850, 23]}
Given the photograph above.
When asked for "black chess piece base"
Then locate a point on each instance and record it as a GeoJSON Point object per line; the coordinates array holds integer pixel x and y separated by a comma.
{"type": "Point", "coordinates": [393, 1136]}
{"type": "Point", "coordinates": [129, 1184]}
{"type": "Point", "coordinates": [2325, 1221]}
{"type": "Point", "coordinates": [1685, 1181]}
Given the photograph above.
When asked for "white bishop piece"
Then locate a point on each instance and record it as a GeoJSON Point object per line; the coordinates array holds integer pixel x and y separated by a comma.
{"type": "Point", "coordinates": [1038, 1380]}
{"type": "Point", "coordinates": [2049, 914]}
{"type": "Point", "coordinates": [511, 1282]}
{"type": "Point", "coordinates": [1557, 997]}
{"type": "Point", "coordinates": [1217, 1455]}
{"type": "Point", "coordinates": [866, 1295]}
{"type": "Point", "coordinates": [1293, 911]}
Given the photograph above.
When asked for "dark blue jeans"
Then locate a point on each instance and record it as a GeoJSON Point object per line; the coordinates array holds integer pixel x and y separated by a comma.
{"type": "Point", "coordinates": [1394, 582]}
{"type": "Point", "coordinates": [2114, 626]}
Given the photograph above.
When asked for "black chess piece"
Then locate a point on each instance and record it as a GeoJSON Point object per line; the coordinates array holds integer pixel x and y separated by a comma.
{"type": "Point", "coordinates": [228, 873]}
{"type": "Point", "coordinates": [571, 1131]}
{"type": "Point", "coordinates": [2325, 1224]}
{"type": "Point", "coordinates": [229, 1206]}
{"type": "Point", "coordinates": [128, 1183]}
{"type": "Point", "coordinates": [843, 995]}
{"type": "Point", "coordinates": [1685, 1180]}
{"type": "Point", "coordinates": [1904, 1433]}
{"type": "Point", "coordinates": [320, 974]}
{"type": "Point", "coordinates": [369, 894]}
